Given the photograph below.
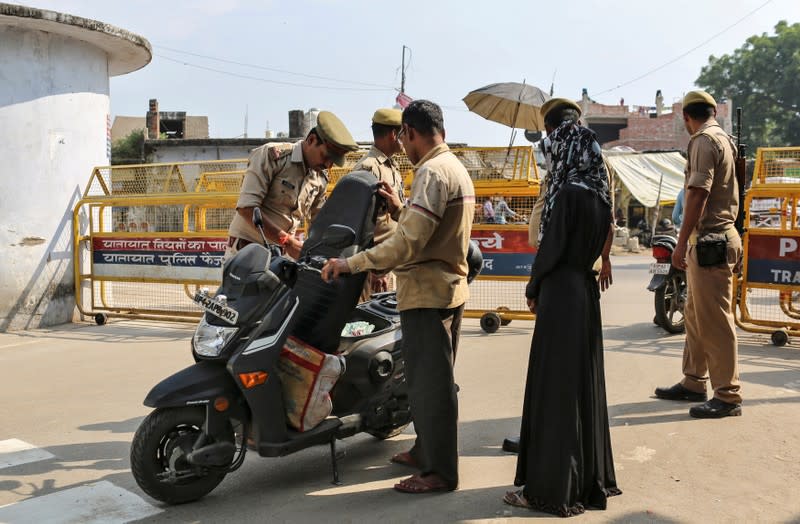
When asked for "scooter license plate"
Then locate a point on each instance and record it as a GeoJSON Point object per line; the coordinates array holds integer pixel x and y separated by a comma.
{"type": "Point", "coordinates": [659, 268]}
{"type": "Point", "coordinates": [216, 308]}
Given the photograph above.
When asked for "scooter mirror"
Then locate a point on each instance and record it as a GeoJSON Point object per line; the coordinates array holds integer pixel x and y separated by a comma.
{"type": "Point", "coordinates": [258, 221]}
{"type": "Point", "coordinates": [338, 236]}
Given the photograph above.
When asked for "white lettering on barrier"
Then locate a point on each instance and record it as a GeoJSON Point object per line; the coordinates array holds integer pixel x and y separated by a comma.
{"type": "Point", "coordinates": [493, 242]}
{"type": "Point", "coordinates": [788, 245]}
{"type": "Point", "coordinates": [784, 276]}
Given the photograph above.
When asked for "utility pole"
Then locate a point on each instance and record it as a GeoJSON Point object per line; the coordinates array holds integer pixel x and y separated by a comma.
{"type": "Point", "coordinates": [403, 72]}
{"type": "Point", "coordinates": [245, 121]}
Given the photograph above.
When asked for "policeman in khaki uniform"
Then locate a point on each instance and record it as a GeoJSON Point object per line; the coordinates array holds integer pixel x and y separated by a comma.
{"type": "Point", "coordinates": [288, 185]}
{"type": "Point", "coordinates": [712, 201]}
{"type": "Point", "coordinates": [386, 124]}
{"type": "Point", "coordinates": [428, 252]}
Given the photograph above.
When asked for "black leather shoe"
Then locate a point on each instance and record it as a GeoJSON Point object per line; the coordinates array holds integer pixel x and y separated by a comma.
{"type": "Point", "coordinates": [678, 392]}
{"type": "Point", "coordinates": [716, 408]}
{"type": "Point", "coordinates": [511, 444]}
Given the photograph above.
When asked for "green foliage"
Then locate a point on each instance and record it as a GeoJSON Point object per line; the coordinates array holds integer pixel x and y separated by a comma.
{"type": "Point", "coordinates": [762, 77]}
{"type": "Point", "coordinates": [128, 150]}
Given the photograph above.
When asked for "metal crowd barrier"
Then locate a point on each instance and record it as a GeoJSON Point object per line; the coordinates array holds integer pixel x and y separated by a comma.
{"type": "Point", "coordinates": [768, 290]}
{"type": "Point", "coordinates": [148, 236]}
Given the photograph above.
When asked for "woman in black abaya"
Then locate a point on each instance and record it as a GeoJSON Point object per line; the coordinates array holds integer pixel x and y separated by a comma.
{"type": "Point", "coordinates": [565, 462]}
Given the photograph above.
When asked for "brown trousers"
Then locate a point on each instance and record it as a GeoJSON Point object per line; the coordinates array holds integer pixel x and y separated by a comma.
{"type": "Point", "coordinates": [711, 347]}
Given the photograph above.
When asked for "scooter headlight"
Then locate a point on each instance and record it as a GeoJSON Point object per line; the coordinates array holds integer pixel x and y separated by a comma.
{"type": "Point", "coordinates": [210, 340]}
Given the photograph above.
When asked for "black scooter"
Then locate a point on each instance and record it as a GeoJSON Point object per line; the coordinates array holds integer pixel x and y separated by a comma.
{"type": "Point", "coordinates": [208, 415]}
{"type": "Point", "coordinates": [669, 285]}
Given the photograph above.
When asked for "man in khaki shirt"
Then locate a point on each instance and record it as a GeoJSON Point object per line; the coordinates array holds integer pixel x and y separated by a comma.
{"type": "Point", "coordinates": [288, 186]}
{"type": "Point", "coordinates": [429, 253]}
{"type": "Point", "coordinates": [711, 204]}
{"type": "Point", "coordinates": [386, 125]}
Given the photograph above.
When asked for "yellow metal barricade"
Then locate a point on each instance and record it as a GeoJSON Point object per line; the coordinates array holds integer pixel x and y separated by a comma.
{"type": "Point", "coordinates": [148, 236]}
{"type": "Point", "coordinates": [768, 291]}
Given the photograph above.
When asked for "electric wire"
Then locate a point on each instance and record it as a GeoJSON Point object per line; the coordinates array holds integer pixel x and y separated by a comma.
{"type": "Point", "coordinates": [273, 69]}
{"type": "Point", "coordinates": [270, 81]}
{"type": "Point", "coordinates": [695, 48]}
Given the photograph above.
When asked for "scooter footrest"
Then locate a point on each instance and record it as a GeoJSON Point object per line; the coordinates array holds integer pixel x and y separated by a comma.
{"type": "Point", "coordinates": [321, 434]}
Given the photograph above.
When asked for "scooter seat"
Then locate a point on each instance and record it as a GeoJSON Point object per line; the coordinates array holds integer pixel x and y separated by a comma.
{"type": "Point", "coordinates": [326, 307]}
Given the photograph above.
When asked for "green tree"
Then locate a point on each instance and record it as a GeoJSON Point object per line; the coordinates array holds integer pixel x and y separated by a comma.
{"type": "Point", "coordinates": [763, 78]}
{"type": "Point", "coordinates": [128, 150]}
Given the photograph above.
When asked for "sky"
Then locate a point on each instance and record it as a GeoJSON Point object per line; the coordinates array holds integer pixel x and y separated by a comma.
{"type": "Point", "coordinates": [345, 56]}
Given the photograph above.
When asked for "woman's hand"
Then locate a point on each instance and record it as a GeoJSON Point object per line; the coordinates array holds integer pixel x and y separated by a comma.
{"type": "Point", "coordinates": [605, 274]}
{"type": "Point", "coordinates": [532, 305]}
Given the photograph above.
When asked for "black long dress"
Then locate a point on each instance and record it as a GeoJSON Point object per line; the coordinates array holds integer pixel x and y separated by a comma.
{"type": "Point", "coordinates": [565, 462]}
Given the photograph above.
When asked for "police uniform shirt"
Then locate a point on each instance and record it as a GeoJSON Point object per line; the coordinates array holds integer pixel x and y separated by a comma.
{"type": "Point", "coordinates": [711, 166]}
{"type": "Point", "coordinates": [385, 169]}
{"type": "Point", "coordinates": [428, 249]}
{"type": "Point", "coordinates": [286, 191]}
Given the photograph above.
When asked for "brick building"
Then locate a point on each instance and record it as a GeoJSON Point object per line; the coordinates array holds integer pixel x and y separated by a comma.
{"type": "Point", "coordinates": [644, 128]}
{"type": "Point", "coordinates": [156, 124]}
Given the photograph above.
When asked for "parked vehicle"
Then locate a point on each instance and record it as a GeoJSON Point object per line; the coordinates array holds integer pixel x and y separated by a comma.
{"type": "Point", "coordinates": [207, 416]}
{"type": "Point", "coordinates": [669, 285]}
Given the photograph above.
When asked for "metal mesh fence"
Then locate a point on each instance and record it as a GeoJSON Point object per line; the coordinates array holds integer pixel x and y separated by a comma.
{"type": "Point", "coordinates": [146, 204]}
{"type": "Point", "coordinates": [145, 179]}
{"type": "Point", "coordinates": [778, 165]}
{"type": "Point", "coordinates": [769, 285]}
{"type": "Point", "coordinates": [774, 212]}
{"type": "Point", "coordinates": [519, 206]}
{"type": "Point", "coordinates": [773, 306]}
{"type": "Point", "coordinates": [145, 297]}
{"type": "Point", "coordinates": [493, 295]}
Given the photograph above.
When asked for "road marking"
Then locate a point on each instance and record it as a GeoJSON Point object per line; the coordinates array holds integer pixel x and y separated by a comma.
{"type": "Point", "coordinates": [15, 344]}
{"type": "Point", "coordinates": [101, 502]}
{"type": "Point", "coordinates": [14, 452]}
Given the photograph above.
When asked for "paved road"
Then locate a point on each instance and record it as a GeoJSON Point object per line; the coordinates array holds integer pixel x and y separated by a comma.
{"type": "Point", "coordinates": [73, 400]}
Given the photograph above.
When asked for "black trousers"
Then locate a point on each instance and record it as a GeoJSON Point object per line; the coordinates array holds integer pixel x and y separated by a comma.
{"type": "Point", "coordinates": [430, 342]}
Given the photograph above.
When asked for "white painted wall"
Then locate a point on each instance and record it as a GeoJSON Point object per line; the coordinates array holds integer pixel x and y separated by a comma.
{"type": "Point", "coordinates": [54, 102]}
{"type": "Point", "coordinates": [192, 153]}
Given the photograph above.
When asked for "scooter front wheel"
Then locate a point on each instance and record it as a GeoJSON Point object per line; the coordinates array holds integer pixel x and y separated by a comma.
{"type": "Point", "coordinates": [159, 456]}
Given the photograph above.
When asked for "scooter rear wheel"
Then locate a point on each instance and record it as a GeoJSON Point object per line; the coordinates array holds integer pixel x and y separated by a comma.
{"type": "Point", "coordinates": [158, 456]}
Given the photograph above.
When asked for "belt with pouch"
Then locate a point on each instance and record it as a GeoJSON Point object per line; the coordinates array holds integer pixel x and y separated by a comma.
{"type": "Point", "coordinates": [712, 247]}
{"type": "Point", "coordinates": [729, 235]}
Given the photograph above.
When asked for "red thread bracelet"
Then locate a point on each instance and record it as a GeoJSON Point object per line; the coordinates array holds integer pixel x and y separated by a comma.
{"type": "Point", "coordinates": [283, 238]}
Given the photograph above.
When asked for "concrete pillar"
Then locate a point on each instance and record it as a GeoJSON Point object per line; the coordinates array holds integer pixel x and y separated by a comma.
{"type": "Point", "coordinates": [153, 120]}
{"type": "Point", "coordinates": [296, 117]}
{"type": "Point", "coordinates": [54, 128]}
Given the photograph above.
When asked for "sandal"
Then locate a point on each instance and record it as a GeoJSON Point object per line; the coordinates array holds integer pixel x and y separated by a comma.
{"type": "Point", "coordinates": [517, 499]}
{"type": "Point", "coordinates": [405, 459]}
{"type": "Point", "coordinates": [427, 484]}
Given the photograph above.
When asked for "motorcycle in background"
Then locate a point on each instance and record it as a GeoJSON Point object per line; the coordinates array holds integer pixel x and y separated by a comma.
{"type": "Point", "coordinates": [669, 285]}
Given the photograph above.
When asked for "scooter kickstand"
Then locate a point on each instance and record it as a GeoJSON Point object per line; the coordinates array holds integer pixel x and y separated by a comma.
{"type": "Point", "coordinates": [334, 462]}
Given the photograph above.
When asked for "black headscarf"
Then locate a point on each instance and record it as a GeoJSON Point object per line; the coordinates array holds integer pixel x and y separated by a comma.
{"type": "Point", "coordinates": [575, 158]}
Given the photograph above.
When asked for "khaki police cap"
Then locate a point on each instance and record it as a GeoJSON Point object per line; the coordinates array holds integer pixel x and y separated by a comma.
{"type": "Point", "coordinates": [699, 97]}
{"type": "Point", "coordinates": [388, 117]}
{"type": "Point", "coordinates": [558, 102]}
{"type": "Point", "coordinates": [339, 140]}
